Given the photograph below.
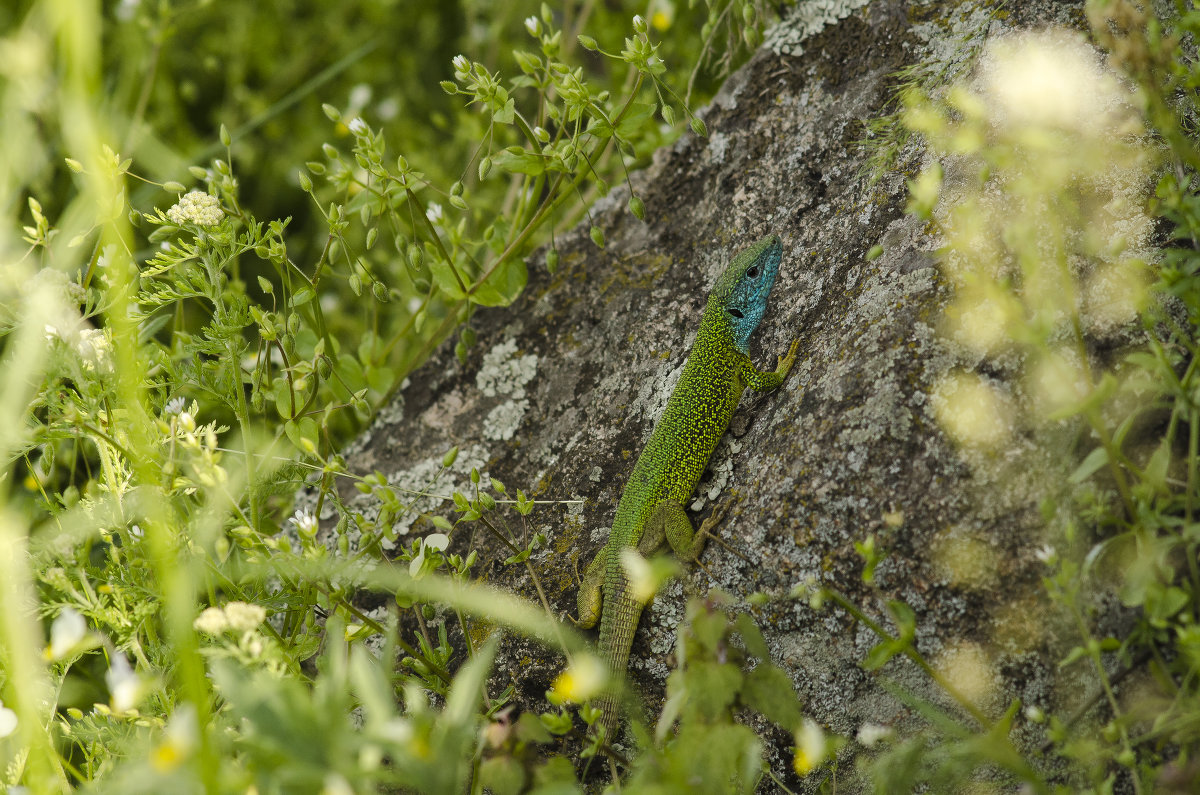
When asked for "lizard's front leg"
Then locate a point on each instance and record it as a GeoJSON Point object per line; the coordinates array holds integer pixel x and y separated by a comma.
{"type": "Point", "coordinates": [761, 381]}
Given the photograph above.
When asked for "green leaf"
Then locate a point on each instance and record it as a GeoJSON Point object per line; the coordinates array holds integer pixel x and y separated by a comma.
{"type": "Point", "coordinates": [502, 775]}
{"type": "Point", "coordinates": [519, 161]}
{"type": "Point", "coordinates": [507, 113]}
{"type": "Point", "coordinates": [752, 638]}
{"type": "Point", "coordinates": [882, 652]}
{"type": "Point", "coordinates": [381, 379]}
{"type": "Point", "coordinates": [444, 276]}
{"type": "Point", "coordinates": [520, 557]}
{"type": "Point", "coordinates": [283, 402]}
{"type": "Point", "coordinates": [463, 700]}
{"type": "Point", "coordinates": [712, 687]}
{"type": "Point", "coordinates": [503, 286]}
{"type": "Point", "coordinates": [905, 618]}
{"type": "Point", "coordinates": [1094, 461]}
{"type": "Point", "coordinates": [303, 430]}
{"type": "Point", "coordinates": [1156, 467]}
{"type": "Point", "coordinates": [1164, 602]}
{"type": "Point", "coordinates": [531, 730]}
{"type": "Point", "coordinates": [1074, 654]}
{"type": "Point", "coordinates": [633, 120]}
{"type": "Point", "coordinates": [769, 690]}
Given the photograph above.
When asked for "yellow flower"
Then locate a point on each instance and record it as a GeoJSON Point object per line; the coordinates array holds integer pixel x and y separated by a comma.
{"type": "Point", "coordinates": [811, 747]}
{"type": "Point", "coordinates": [583, 679]}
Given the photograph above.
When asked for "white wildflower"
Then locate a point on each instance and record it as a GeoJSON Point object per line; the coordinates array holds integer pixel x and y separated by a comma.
{"type": "Point", "coordinates": [174, 405]}
{"type": "Point", "coordinates": [358, 126]}
{"type": "Point", "coordinates": [1052, 79]}
{"type": "Point", "coordinates": [1047, 554]}
{"type": "Point", "coordinates": [66, 633]}
{"type": "Point", "coordinates": [434, 213]}
{"type": "Point", "coordinates": [187, 421]}
{"type": "Point", "coordinates": [336, 784]}
{"type": "Point", "coordinates": [534, 26]}
{"type": "Point", "coordinates": [871, 733]}
{"type": "Point", "coordinates": [244, 617]}
{"type": "Point", "coordinates": [8, 720]}
{"type": "Point", "coordinates": [180, 739]}
{"type": "Point", "coordinates": [124, 686]}
{"type": "Point", "coordinates": [211, 622]}
{"type": "Point", "coordinates": [126, 9]}
{"type": "Point", "coordinates": [642, 582]}
{"type": "Point", "coordinates": [304, 522]}
{"type": "Point", "coordinates": [360, 95]}
{"type": "Point", "coordinates": [196, 207]}
{"type": "Point", "coordinates": [95, 349]}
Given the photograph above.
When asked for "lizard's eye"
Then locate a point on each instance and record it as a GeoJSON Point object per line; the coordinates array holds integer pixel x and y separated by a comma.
{"type": "Point", "coordinates": [736, 313]}
{"type": "Point", "coordinates": [753, 272]}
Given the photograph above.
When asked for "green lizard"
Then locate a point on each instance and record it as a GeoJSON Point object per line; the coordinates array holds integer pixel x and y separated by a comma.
{"type": "Point", "coordinates": [717, 371]}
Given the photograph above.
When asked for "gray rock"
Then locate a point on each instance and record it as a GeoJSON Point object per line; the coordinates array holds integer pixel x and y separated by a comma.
{"type": "Point", "coordinates": [565, 385]}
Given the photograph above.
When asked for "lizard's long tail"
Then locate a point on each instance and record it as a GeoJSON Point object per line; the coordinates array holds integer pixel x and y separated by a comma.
{"type": "Point", "coordinates": [616, 639]}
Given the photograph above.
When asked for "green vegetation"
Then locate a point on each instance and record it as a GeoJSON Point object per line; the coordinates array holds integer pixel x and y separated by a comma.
{"type": "Point", "coordinates": [1042, 192]}
{"type": "Point", "coordinates": [175, 367]}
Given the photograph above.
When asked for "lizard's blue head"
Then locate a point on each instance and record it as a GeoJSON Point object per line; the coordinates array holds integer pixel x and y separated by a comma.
{"type": "Point", "coordinates": [741, 292]}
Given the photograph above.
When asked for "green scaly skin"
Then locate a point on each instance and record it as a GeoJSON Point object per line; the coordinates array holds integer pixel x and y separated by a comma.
{"type": "Point", "coordinates": [717, 371]}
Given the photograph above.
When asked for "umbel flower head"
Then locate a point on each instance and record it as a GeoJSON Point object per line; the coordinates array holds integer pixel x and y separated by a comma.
{"type": "Point", "coordinates": [196, 207]}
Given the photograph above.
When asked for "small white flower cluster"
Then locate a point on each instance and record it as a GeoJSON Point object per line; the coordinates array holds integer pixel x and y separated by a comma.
{"type": "Point", "coordinates": [95, 350]}
{"type": "Point", "coordinates": [196, 207]}
{"type": "Point", "coordinates": [236, 616]}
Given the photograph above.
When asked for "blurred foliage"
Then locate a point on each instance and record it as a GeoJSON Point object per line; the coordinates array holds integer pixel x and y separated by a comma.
{"type": "Point", "coordinates": [1079, 383]}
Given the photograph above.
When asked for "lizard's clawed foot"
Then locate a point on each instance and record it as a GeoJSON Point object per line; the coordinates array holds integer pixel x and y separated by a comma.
{"type": "Point", "coordinates": [715, 518]}
{"type": "Point", "coordinates": [786, 361]}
